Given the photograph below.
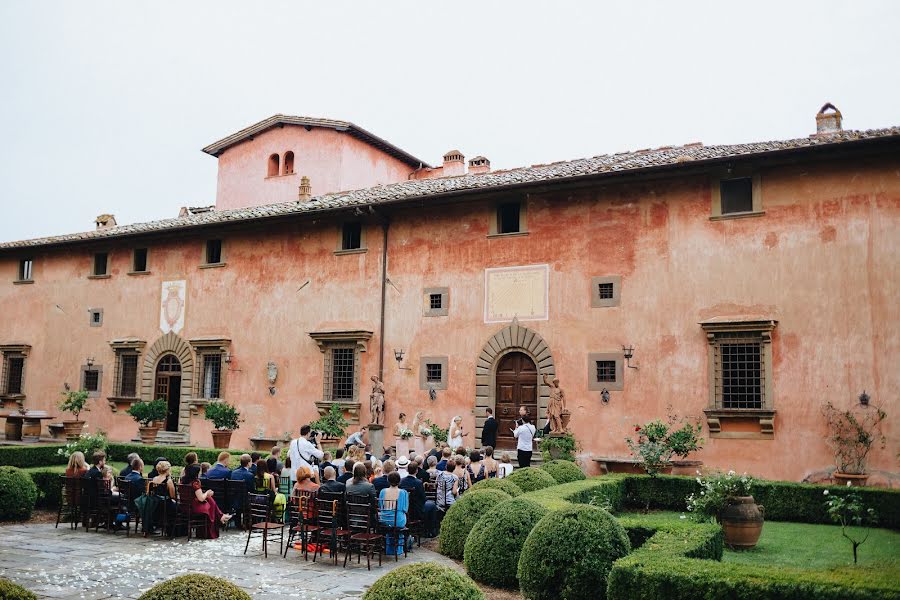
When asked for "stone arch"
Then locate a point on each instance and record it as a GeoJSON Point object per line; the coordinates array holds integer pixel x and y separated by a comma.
{"type": "Point", "coordinates": [512, 338]}
{"type": "Point", "coordinates": [171, 343]}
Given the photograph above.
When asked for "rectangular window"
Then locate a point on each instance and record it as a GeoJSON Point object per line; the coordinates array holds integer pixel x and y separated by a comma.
{"type": "Point", "coordinates": [127, 376]}
{"type": "Point", "coordinates": [606, 371]}
{"type": "Point", "coordinates": [342, 374]}
{"type": "Point", "coordinates": [101, 263]}
{"type": "Point", "coordinates": [739, 375]}
{"type": "Point", "coordinates": [435, 301]}
{"type": "Point", "coordinates": [139, 260]}
{"type": "Point", "coordinates": [351, 236]}
{"type": "Point", "coordinates": [91, 380]}
{"type": "Point", "coordinates": [508, 217]}
{"type": "Point", "coordinates": [736, 195]}
{"type": "Point", "coordinates": [25, 267]}
{"type": "Point", "coordinates": [96, 317]}
{"type": "Point", "coordinates": [13, 374]}
{"type": "Point", "coordinates": [605, 291]}
{"type": "Point", "coordinates": [212, 376]}
{"type": "Point", "coordinates": [433, 373]}
{"type": "Point", "coordinates": [213, 252]}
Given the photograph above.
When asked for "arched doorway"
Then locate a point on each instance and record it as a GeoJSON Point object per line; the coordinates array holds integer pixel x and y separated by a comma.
{"type": "Point", "coordinates": [168, 387]}
{"type": "Point", "coordinates": [516, 387]}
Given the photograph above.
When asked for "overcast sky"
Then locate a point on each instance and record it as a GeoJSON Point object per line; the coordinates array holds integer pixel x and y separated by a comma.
{"type": "Point", "coordinates": [104, 107]}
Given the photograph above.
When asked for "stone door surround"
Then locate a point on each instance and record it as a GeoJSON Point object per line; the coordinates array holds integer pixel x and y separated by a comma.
{"type": "Point", "coordinates": [174, 344]}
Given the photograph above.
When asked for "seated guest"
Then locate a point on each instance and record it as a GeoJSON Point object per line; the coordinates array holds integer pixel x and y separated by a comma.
{"type": "Point", "coordinates": [153, 472]}
{"type": "Point", "coordinates": [347, 475]}
{"type": "Point", "coordinates": [460, 472]}
{"type": "Point", "coordinates": [447, 489]}
{"type": "Point", "coordinates": [490, 465]}
{"type": "Point", "coordinates": [77, 465]}
{"type": "Point", "coordinates": [276, 452]}
{"type": "Point", "coordinates": [242, 473]}
{"type": "Point", "coordinates": [220, 470]}
{"type": "Point", "coordinates": [370, 470]}
{"type": "Point", "coordinates": [338, 462]}
{"type": "Point", "coordinates": [432, 469]}
{"type": "Point", "coordinates": [331, 485]}
{"type": "Point", "coordinates": [164, 488]}
{"type": "Point", "coordinates": [326, 462]}
{"type": "Point", "coordinates": [393, 504]}
{"type": "Point", "coordinates": [436, 451]}
{"type": "Point", "coordinates": [204, 468]}
{"type": "Point", "coordinates": [130, 459]}
{"type": "Point", "coordinates": [203, 502]}
{"type": "Point", "coordinates": [98, 460]}
{"type": "Point", "coordinates": [475, 470]}
{"type": "Point", "coordinates": [286, 469]}
{"type": "Point", "coordinates": [421, 473]}
{"type": "Point", "coordinates": [135, 479]}
{"type": "Point", "coordinates": [402, 466]}
{"type": "Point", "coordinates": [272, 468]}
{"type": "Point", "coordinates": [254, 457]}
{"type": "Point", "coordinates": [381, 481]}
{"type": "Point", "coordinates": [190, 459]}
{"type": "Point", "coordinates": [446, 453]}
{"type": "Point", "coordinates": [359, 485]}
{"type": "Point", "coordinates": [505, 467]}
{"type": "Point", "coordinates": [304, 481]}
{"type": "Point", "coordinates": [263, 482]}
{"type": "Point", "coordinates": [420, 509]}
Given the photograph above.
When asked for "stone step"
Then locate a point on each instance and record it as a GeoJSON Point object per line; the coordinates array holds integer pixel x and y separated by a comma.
{"type": "Point", "coordinates": [169, 438]}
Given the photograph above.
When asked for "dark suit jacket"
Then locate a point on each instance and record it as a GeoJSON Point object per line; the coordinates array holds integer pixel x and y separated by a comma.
{"type": "Point", "coordinates": [243, 473]}
{"type": "Point", "coordinates": [137, 484]}
{"type": "Point", "coordinates": [442, 465]}
{"type": "Point", "coordinates": [345, 478]}
{"type": "Point", "coordinates": [332, 487]}
{"type": "Point", "coordinates": [218, 472]}
{"type": "Point", "coordinates": [416, 492]}
{"type": "Point", "coordinates": [489, 432]}
{"type": "Point", "coordinates": [380, 483]}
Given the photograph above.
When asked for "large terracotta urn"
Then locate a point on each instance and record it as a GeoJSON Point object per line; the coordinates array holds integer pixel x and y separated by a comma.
{"type": "Point", "coordinates": [221, 438]}
{"type": "Point", "coordinates": [73, 429]}
{"type": "Point", "coordinates": [148, 434]}
{"type": "Point", "coordinates": [742, 522]}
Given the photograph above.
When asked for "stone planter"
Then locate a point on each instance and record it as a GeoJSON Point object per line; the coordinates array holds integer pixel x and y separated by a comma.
{"type": "Point", "coordinates": [73, 429]}
{"type": "Point", "coordinates": [221, 438]}
{"type": "Point", "coordinates": [742, 522]}
{"type": "Point", "coordinates": [148, 434]}
{"type": "Point", "coordinates": [266, 444]}
{"type": "Point", "coordinates": [852, 479]}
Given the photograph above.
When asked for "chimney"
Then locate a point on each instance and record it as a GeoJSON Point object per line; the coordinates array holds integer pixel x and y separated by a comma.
{"type": "Point", "coordinates": [828, 123]}
{"type": "Point", "coordinates": [454, 164]}
{"type": "Point", "coordinates": [305, 190]}
{"type": "Point", "coordinates": [479, 164]}
{"type": "Point", "coordinates": [105, 221]}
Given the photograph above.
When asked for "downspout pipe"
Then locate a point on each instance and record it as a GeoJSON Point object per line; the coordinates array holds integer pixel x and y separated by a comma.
{"type": "Point", "coordinates": [385, 225]}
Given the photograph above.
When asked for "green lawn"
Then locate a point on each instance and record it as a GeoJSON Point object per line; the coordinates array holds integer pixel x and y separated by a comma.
{"type": "Point", "coordinates": [117, 466]}
{"type": "Point", "coordinates": [806, 546]}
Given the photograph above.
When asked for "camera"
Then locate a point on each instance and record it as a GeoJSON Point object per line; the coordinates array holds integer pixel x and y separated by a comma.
{"type": "Point", "coordinates": [519, 422]}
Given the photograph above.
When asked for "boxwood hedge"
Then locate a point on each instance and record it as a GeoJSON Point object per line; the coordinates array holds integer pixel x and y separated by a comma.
{"type": "Point", "coordinates": [424, 581]}
{"type": "Point", "coordinates": [531, 479]}
{"type": "Point", "coordinates": [46, 455]}
{"type": "Point", "coordinates": [499, 484]}
{"type": "Point", "coordinates": [18, 494]}
{"type": "Point", "coordinates": [195, 586]}
{"type": "Point", "coordinates": [13, 591]}
{"type": "Point", "coordinates": [564, 471]}
{"type": "Point", "coordinates": [463, 515]}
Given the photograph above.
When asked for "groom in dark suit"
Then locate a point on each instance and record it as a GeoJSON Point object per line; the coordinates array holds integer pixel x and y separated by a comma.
{"type": "Point", "coordinates": [489, 430]}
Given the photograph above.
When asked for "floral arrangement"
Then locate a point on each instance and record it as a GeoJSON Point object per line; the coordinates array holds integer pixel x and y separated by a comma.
{"type": "Point", "coordinates": [405, 433]}
{"type": "Point", "coordinates": [424, 431]}
{"type": "Point", "coordinates": [852, 435]}
{"type": "Point", "coordinates": [715, 492]}
{"type": "Point", "coordinates": [437, 432]}
{"type": "Point", "coordinates": [87, 444]}
{"type": "Point", "coordinates": [657, 442]}
{"type": "Point", "coordinates": [849, 510]}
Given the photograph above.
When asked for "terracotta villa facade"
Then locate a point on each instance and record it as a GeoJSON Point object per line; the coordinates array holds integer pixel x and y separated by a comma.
{"type": "Point", "coordinates": [747, 284]}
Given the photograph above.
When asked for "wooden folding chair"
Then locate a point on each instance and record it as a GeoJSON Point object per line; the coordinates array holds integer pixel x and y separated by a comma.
{"type": "Point", "coordinates": [390, 529]}
{"type": "Point", "coordinates": [329, 520]}
{"type": "Point", "coordinates": [185, 515]}
{"type": "Point", "coordinates": [362, 527]}
{"type": "Point", "coordinates": [302, 519]}
{"type": "Point", "coordinates": [69, 501]}
{"type": "Point", "coordinates": [262, 522]}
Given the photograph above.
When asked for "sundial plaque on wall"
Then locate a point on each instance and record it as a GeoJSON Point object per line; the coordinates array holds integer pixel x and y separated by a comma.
{"type": "Point", "coordinates": [516, 292]}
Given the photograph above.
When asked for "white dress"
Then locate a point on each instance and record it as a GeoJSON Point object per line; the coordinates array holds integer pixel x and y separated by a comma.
{"type": "Point", "coordinates": [456, 441]}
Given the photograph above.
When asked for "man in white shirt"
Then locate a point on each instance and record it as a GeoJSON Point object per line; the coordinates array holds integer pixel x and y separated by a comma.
{"type": "Point", "coordinates": [524, 434]}
{"type": "Point", "coordinates": [357, 438]}
{"type": "Point", "coordinates": [302, 452]}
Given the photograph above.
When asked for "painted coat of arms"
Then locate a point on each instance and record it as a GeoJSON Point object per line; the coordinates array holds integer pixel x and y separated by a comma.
{"type": "Point", "coordinates": [171, 309]}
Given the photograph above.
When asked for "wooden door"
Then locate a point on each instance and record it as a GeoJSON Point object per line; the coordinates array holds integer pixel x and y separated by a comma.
{"type": "Point", "coordinates": [168, 387]}
{"type": "Point", "coordinates": [517, 386]}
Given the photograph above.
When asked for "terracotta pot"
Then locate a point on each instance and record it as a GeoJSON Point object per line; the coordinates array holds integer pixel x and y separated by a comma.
{"type": "Point", "coordinates": [148, 434]}
{"type": "Point", "coordinates": [742, 522]}
{"type": "Point", "coordinates": [565, 417]}
{"type": "Point", "coordinates": [73, 429]}
{"type": "Point", "coordinates": [852, 479]}
{"type": "Point", "coordinates": [221, 438]}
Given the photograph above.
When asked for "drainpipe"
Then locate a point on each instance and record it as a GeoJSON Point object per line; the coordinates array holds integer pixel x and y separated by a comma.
{"type": "Point", "coordinates": [385, 224]}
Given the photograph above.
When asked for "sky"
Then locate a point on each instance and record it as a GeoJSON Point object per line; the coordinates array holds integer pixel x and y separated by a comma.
{"type": "Point", "coordinates": [104, 106]}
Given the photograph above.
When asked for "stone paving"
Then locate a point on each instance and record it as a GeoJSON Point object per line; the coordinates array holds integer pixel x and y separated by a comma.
{"type": "Point", "coordinates": [61, 563]}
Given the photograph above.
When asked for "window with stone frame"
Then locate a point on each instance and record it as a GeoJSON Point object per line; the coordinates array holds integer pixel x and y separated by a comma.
{"type": "Point", "coordinates": [433, 372]}
{"type": "Point", "coordinates": [606, 371]}
{"type": "Point", "coordinates": [340, 371]}
{"type": "Point", "coordinates": [341, 366]}
{"type": "Point", "coordinates": [210, 375]}
{"type": "Point", "coordinates": [13, 383]}
{"type": "Point", "coordinates": [91, 380]}
{"type": "Point", "coordinates": [126, 384]}
{"type": "Point", "coordinates": [26, 269]}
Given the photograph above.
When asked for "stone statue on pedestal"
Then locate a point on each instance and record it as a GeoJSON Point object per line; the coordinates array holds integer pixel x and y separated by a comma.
{"type": "Point", "coordinates": [556, 405]}
{"type": "Point", "coordinates": [376, 401]}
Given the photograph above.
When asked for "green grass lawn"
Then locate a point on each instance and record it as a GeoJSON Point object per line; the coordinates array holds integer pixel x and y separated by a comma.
{"type": "Point", "coordinates": [806, 546]}
{"type": "Point", "coordinates": [117, 466]}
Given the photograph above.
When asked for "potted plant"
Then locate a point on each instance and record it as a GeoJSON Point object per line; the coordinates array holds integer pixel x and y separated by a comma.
{"type": "Point", "coordinates": [438, 433]}
{"type": "Point", "coordinates": [148, 415]}
{"type": "Point", "coordinates": [331, 425]}
{"type": "Point", "coordinates": [558, 447]}
{"type": "Point", "coordinates": [852, 433]}
{"type": "Point", "coordinates": [657, 442]}
{"type": "Point", "coordinates": [727, 498]}
{"type": "Point", "coordinates": [225, 418]}
{"type": "Point", "coordinates": [73, 402]}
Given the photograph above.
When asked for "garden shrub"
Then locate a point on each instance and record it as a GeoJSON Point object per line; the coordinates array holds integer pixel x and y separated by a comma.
{"type": "Point", "coordinates": [664, 492]}
{"type": "Point", "coordinates": [605, 492]}
{"type": "Point", "coordinates": [12, 591]}
{"type": "Point", "coordinates": [498, 484]}
{"type": "Point", "coordinates": [18, 494]}
{"type": "Point", "coordinates": [569, 553]}
{"type": "Point", "coordinates": [564, 471]}
{"type": "Point", "coordinates": [45, 456]}
{"type": "Point", "coordinates": [424, 581]}
{"type": "Point", "coordinates": [531, 479]}
{"type": "Point", "coordinates": [31, 456]}
{"type": "Point", "coordinates": [49, 485]}
{"type": "Point", "coordinates": [492, 549]}
{"type": "Point", "coordinates": [463, 515]}
{"type": "Point", "coordinates": [804, 503]}
{"type": "Point", "coordinates": [195, 586]}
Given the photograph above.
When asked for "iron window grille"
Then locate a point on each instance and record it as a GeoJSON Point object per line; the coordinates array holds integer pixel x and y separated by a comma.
{"type": "Point", "coordinates": [13, 374]}
{"type": "Point", "coordinates": [90, 380]}
{"type": "Point", "coordinates": [739, 371]}
{"type": "Point", "coordinates": [605, 291]}
{"type": "Point", "coordinates": [126, 375]}
{"type": "Point", "coordinates": [433, 372]}
{"type": "Point", "coordinates": [212, 376]}
{"type": "Point", "coordinates": [340, 364]}
{"type": "Point", "coordinates": [435, 301]}
{"type": "Point", "coordinates": [606, 371]}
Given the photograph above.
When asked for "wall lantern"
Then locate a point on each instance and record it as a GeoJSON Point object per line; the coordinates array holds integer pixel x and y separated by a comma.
{"type": "Point", "coordinates": [89, 361]}
{"type": "Point", "coordinates": [864, 398]}
{"type": "Point", "coordinates": [398, 354]}
{"type": "Point", "coordinates": [226, 358]}
{"type": "Point", "coordinates": [628, 351]}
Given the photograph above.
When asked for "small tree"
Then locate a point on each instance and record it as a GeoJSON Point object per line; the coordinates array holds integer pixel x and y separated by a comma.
{"type": "Point", "coordinates": [852, 435]}
{"type": "Point", "coordinates": [73, 402]}
{"type": "Point", "coordinates": [848, 511]}
{"type": "Point", "coordinates": [223, 415]}
{"type": "Point", "coordinates": [146, 413]}
{"type": "Point", "coordinates": [658, 442]}
{"type": "Point", "coordinates": [332, 424]}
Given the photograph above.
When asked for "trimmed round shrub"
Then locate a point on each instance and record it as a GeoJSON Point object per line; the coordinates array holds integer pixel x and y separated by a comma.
{"type": "Point", "coordinates": [195, 587]}
{"type": "Point", "coordinates": [564, 471]}
{"type": "Point", "coordinates": [18, 493]}
{"type": "Point", "coordinates": [493, 546]}
{"type": "Point", "coordinates": [570, 553]}
{"type": "Point", "coordinates": [463, 515]}
{"type": "Point", "coordinates": [424, 581]}
{"type": "Point", "coordinates": [12, 591]}
{"type": "Point", "coordinates": [531, 479]}
{"type": "Point", "coordinates": [498, 484]}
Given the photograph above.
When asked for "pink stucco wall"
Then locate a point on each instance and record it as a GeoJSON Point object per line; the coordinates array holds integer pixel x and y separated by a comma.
{"type": "Point", "coordinates": [334, 161]}
{"type": "Point", "coordinates": [821, 261]}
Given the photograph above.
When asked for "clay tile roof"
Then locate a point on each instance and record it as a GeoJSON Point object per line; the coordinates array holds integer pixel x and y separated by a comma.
{"type": "Point", "coordinates": [606, 165]}
{"type": "Point", "coordinates": [216, 148]}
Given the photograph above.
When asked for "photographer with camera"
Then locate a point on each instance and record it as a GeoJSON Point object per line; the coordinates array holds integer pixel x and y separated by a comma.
{"type": "Point", "coordinates": [304, 453]}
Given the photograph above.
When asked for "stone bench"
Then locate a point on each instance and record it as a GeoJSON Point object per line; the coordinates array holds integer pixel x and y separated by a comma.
{"type": "Point", "coordinates": [57, 430]}
{"type": "Point", "coordinates": [629, 464]}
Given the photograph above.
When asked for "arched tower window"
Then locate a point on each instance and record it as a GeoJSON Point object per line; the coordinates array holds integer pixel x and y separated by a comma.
{"type": "Point", "coordinates": [288, 163]}
{"type": "Point", "coordinates": [273, 166]}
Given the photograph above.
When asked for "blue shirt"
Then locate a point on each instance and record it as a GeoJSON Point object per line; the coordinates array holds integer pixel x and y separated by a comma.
{"type": "Point", "coordinates": [218, 472]}
{"type": "Point", "coordinates": [243, 473]}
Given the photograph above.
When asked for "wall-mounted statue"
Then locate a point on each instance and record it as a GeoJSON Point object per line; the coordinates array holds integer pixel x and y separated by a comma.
{"type": "Point", "coordinates": [555, 405]}
{"type": "Point", "coordinates": [376, 401]}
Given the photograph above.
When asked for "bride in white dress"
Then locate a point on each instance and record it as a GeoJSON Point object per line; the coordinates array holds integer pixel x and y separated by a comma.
{"type": "Point", "coordinates": [456, 434]}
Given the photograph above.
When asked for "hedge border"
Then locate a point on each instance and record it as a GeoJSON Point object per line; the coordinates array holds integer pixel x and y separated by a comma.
{"type": "Point", "coordinates": [27, 456]}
